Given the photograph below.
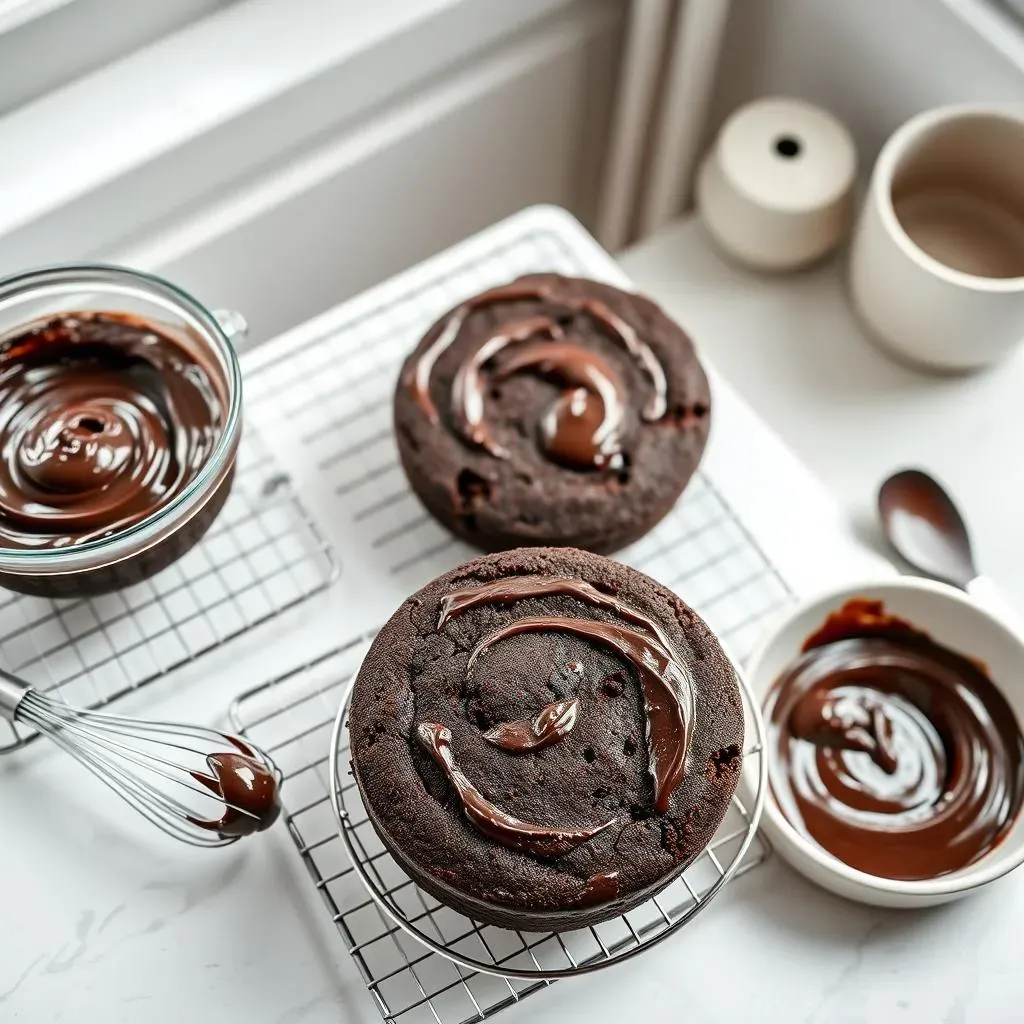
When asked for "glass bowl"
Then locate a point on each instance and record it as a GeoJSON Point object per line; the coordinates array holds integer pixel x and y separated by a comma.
{"type": "Point", "coordinates": [143, 548]}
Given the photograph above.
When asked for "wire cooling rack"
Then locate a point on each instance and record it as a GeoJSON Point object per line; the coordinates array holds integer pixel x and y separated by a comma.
{"type": "Point", "coordinates": [263, 555]}
{"type": "Point", "coordinates": [473, 946]}
{"type": "Point", "coordinates": [391, 547]}
{"type": "Point", "coordinates": [292, 717]}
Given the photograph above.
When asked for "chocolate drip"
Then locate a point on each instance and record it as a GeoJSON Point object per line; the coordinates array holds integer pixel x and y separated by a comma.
{"type": "Point", "coordinates": [103, 419]}
{"type": "Point", "coordinates": [583, 428]}
{"type": "Point", "coordinates": [897, 755]}
{"type": "Point", "coordinates": [468, 385]}
{"type": "Point", "coordinates": [494, 823]}
{"type": "Point", "coordinates": [665, 684]}
{"type": "Point", "coordinates": [248, 789]}
{"type": "Point", "coordinates": [599, 888]}
{"type": "Point", "coordinates": [553, 722]}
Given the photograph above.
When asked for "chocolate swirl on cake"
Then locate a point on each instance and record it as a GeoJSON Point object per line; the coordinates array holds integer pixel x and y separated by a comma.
{"type": "Point", "coordinates": [491, 820]}
{"type": "Point", "coordinates": [583, 429]}
{"type": "Point", "coordinates": [103, 420]}
{"type": "Point", "coordinates": [665, 686]}
{"type": "Point", "coordinates": [549, 726]}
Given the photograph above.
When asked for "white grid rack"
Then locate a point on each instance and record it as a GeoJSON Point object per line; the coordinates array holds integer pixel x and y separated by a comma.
{"type": "Point", "coordinates": [391, 547]}
{"type": "Point", "coordinates": [350, 454]}
{"type": "Point", "coordinates": [263, 555]}
{"type": "Point", "coordinates": [292, 716]}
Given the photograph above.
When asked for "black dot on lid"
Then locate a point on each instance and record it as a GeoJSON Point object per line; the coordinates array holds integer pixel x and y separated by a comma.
{"type": "Point", "coordinates": [787, 146]}
{"type": "Point", "coordinates": [90, 423]}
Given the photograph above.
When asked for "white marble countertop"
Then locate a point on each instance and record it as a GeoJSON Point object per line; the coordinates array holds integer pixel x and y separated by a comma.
{"type": "Point", "coordinates": [793, 349]}
{"type": "Point", "coordinates": [105, 921]}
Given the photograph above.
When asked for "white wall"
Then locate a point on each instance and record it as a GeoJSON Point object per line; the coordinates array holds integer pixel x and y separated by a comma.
{"type": "Point", "coordinates": [523, 122]}
{"type": "Point", "coordinates": [873, 63]}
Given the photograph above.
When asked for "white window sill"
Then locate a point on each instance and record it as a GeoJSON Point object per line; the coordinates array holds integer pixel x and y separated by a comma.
{"type": "Point", "coordinates": [136, 141]}
{"type": "Point", "coordinates": [998, 27]}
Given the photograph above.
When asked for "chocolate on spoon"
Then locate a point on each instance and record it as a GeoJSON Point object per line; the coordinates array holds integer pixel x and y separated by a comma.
{"type": "Point", "coordinates": [926, 529]}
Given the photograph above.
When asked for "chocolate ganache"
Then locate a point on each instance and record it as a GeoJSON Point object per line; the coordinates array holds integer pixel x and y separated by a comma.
{"type": "Point", "coordinates": [104, 419]}
{"type": "Point", "coordinates": [583, 428]}
{"type": "Point", "coordinates": [667, 695]}
{"type": "Point", "coordinates": [600, 888]}
{"type": "Point", "coordinates": [491, 820]}
{"type": "Point", "coordinates": [248, 788]}
{"type": "Point", "coordinates": [893, 753]}
{"type": "Point", "coordinates": [547, 727]}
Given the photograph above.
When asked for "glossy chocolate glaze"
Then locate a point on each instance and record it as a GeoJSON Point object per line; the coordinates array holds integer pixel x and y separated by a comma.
{"type": "Point", "coordinates": [103, 419]}
{"type": "Point", "coordinates": [583, 428]}
{"type": "Point", "coordinates": [897, 755]}
{"type": "Point", "coordinates": [925, 527]}
{"type": "Point", "coordinates": [549, 726]}
{"type": "Point", "coordinates": [249, 790]}
{"type": "Point", "coordinates": [665, 684]}
{"type": "Point", "coordinates": [538, 840]}
{"type": "Point", "coordinates": [600, 888]}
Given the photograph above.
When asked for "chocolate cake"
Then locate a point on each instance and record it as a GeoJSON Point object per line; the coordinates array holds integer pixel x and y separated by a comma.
{"type": "Point", "coordinates": [545, 738]}
{"type": "Point", "coordinates": [552, 411]}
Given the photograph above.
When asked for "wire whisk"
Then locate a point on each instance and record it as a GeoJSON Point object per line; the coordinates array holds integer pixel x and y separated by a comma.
{"type": "Point", "coordinates": [198, 785]}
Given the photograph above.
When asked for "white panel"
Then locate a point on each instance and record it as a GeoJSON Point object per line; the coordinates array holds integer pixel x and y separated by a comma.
{"type": "Point", "coordinates": [68, 38]}
{"type": "Point", "coordinates": [163, 129]}
{"type": "Point", "coordinates": [873, 63]}
{"type": "Point", "coordinates": [520, 128]}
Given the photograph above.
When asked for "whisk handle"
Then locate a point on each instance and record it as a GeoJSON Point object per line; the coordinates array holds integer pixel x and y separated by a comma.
{"type": "Point", "coordinates": [12, 693]}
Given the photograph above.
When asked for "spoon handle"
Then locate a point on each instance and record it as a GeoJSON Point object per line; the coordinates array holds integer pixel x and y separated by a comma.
{"type": "Point", "coordinates": [987, 594]}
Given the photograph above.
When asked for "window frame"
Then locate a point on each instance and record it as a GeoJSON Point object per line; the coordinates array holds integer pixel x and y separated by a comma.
{"type": "Point", "coordinates": [47, 44]}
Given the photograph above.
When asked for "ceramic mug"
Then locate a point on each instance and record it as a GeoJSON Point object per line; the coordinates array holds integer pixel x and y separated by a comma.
{"type": "Point", "coordinates": [937, 263]}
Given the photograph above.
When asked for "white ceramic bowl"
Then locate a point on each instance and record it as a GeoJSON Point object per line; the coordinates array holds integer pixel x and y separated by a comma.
{"type": "Point", "coordinates": [952, 619]}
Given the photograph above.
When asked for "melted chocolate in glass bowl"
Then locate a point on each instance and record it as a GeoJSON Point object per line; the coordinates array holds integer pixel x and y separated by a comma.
{"type": "Point", "coordinates": [893, 753]}
{"type": "Point", "coordinates": [103, 420]}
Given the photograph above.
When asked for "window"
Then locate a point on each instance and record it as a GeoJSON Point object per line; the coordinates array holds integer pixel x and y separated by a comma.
{"type": "Point", "coordinates": [45, 44]}
{"type": "Point", "coordinates": [1016, 7]}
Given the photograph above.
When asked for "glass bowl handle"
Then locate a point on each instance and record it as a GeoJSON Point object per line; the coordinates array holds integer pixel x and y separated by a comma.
{"type": "Point", "coordinates": [234, 326]}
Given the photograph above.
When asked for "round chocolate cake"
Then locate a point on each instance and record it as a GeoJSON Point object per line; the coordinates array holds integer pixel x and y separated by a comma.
{"type": "Point", "coordinates": [551, 411]}
{"type": "Point", "coordinates": [545, 738]}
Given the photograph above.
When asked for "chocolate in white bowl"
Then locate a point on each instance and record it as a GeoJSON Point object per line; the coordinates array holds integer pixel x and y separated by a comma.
{"type": "Point", "coordinates": [977, 728]}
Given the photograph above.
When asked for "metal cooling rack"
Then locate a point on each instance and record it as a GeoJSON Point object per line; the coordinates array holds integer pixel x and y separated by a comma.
{"type": "Point", "coordinates": [293, 717]}
{"type": "Point", "coordinates": [350, 449]}
{"type": "Point", "coordinates": [701, 550]}
{"type": "Point", "coordinates": [473, 946]}
{"type": "Point", "coordinates": [263, 555]}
